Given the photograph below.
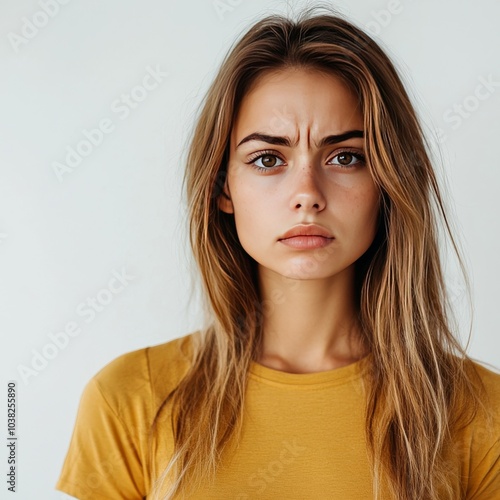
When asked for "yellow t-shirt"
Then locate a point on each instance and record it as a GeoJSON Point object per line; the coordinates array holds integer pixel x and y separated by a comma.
{"type": "Point", "coordinates": [303, 435]}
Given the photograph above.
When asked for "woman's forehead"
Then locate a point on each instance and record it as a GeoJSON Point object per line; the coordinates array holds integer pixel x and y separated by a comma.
{"type": "Point", "coordinates": [297, 103]}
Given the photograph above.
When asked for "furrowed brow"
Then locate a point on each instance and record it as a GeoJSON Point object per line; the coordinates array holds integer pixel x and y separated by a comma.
{"type": "Point", "coordinates": [285, 141]}
{"type": "Point", "coordinates": [329, 140]}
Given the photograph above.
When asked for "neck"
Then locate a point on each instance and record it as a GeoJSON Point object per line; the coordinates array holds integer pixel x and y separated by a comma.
{"type": "Point", "coordinates": [309, 325]}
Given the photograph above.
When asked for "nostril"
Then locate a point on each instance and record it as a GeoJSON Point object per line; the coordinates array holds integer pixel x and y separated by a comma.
{"type": "Point", "coordinates": [299, 205]}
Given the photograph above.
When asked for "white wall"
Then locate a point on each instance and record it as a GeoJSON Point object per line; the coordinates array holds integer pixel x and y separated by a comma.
{"type": "Point", "coordinates": [121, 207]}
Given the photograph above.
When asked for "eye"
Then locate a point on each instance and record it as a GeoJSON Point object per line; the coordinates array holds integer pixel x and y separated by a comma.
{"type": "Point", "coordinates": [345, 159]}
{"type": "Point", "coordinates": [268, 161]}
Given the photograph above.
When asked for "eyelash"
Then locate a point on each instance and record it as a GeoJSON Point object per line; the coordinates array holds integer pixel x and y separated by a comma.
{"type": "Point", "coordinates": [360, 156]}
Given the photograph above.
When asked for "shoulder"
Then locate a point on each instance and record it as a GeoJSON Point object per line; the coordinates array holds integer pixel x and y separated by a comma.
{"type": "Point", "coordinates": [148, 373]}
{"type": "Point", "coordinates": [481, 436]}
{"type": "Point", "coordinates": [110, 440]}
{"type": "Point", "coordinates": [480, 449]}
{"type": "Point", "coordinates": [490, 378]}
{"type": "Point", "coordinates": [490, 374]}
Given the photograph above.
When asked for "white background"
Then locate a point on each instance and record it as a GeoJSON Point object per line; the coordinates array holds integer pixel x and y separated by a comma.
{"type": "Point", "coordinates": [121, 208]}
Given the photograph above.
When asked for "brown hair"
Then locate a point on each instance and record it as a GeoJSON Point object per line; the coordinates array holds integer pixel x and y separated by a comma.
{"type": "Point", "coordinates": [419, 370]}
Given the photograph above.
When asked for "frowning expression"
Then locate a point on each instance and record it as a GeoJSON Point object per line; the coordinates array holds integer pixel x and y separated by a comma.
{"type": "Point", "coordinates": [296, 158]}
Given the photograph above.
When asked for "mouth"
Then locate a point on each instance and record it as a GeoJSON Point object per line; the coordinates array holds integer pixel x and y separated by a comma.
{"type": "Point", "coordinates": [315, 230]}
{"type": "Point", "coordinates": [306, 241]}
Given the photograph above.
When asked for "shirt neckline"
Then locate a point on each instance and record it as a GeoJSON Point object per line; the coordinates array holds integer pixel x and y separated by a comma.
{"type": "Point", "coordinates": [334, 376]}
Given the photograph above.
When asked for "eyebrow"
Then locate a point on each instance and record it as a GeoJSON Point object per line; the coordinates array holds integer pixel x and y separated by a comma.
{"type": "Point", "coordinates": [285, 141]}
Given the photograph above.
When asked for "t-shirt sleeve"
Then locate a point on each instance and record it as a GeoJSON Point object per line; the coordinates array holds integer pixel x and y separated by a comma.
{"type": "Point", "coordinates": [103, 461]}
{"type": "Point", "coordinates": [484, 480]}
{"type": "Point", "coordinates": [484, 483]}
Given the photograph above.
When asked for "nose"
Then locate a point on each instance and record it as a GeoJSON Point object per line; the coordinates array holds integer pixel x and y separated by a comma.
{"type": "Point", "coordinates": [306, 193]}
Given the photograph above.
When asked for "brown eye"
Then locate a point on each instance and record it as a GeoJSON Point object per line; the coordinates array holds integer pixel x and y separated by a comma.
{"type": "Point", "coordinates": [265, 162]}
{"type": "Point", "coordinates": [345, 158]}
{"type": "Point", "coordinates": [268, 160]}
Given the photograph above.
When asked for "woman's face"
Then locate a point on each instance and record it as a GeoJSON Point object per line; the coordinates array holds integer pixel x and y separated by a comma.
{"type": "Point", "coordinates": [294, 176]}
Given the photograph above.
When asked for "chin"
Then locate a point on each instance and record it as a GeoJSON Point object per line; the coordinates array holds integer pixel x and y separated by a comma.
{"type": "Point", "coordinates": [304, 270]}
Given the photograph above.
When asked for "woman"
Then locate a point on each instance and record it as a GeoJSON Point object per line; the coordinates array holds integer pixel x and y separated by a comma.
{"type": "Point", "coordinates": [327, 367]}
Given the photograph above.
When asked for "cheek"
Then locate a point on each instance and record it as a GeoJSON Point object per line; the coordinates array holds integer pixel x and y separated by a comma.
{"type": "Point", "coordinates": [360, 209]}
{"type": "Point", "coordinates": [369, 207]}
{"type": "Point", "coordinates": [251, 212]}
{"type": "Point", "coordinates": [253, 198]}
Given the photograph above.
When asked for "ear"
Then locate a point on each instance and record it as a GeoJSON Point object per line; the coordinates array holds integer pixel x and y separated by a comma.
{"type": "Point", "coordinates": [224, 200]}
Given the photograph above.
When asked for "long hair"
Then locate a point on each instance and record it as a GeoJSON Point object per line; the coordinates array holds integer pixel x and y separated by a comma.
{"type": "Point", "coordinates": [419, 376]}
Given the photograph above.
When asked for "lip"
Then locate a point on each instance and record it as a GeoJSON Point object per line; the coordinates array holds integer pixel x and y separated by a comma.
{"type": "Point", "coordinates": [306, 242]}
{"type": "Point", "coordinates": [306, 230]}
{"type": "Point", "coordinates": [307, 236]}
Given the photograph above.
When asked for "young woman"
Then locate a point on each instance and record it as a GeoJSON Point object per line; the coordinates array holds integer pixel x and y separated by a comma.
{"type": "Point", "coordinates": [327, 367]}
